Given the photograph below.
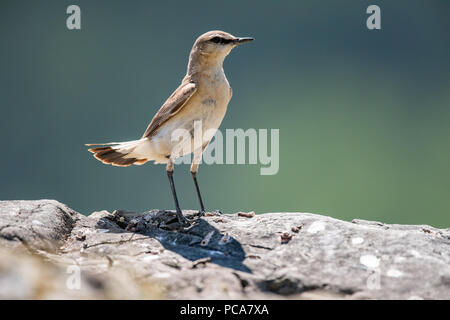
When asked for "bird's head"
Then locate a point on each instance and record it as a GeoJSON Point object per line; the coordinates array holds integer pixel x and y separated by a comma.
{"type": "Point", "coordinates": [212, 47]}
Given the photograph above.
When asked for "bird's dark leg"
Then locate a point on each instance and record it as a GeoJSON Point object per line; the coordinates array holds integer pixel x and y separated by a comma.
{"type": "Point", "coordinates": [194, 169]}
{"type": "Point", "coordinates": [181, 219]}
{"type": "Point", "coordinates": [202, 207]}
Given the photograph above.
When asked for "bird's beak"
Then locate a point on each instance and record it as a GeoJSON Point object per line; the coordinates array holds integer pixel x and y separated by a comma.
{"type": "Point", "coordinates": [242, 40]}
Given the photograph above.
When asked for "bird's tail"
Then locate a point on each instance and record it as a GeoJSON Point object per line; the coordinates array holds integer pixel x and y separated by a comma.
{"type": "Point", "coordinates": [122, 154]}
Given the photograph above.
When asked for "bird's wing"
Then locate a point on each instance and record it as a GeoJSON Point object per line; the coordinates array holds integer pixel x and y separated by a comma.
{"type": "Point", "coordinates": [172, 106]}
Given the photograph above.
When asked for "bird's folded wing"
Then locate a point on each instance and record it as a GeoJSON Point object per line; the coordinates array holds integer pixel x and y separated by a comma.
{"type": "Point", "coordinates": [172, 106]}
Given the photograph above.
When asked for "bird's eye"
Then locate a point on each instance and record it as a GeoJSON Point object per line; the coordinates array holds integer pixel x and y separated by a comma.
{"type": "Point", "coordinates": [216, 39]}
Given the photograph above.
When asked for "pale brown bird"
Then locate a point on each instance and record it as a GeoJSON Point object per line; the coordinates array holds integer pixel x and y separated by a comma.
{"type": "Point", "coordinates": [202, 96]}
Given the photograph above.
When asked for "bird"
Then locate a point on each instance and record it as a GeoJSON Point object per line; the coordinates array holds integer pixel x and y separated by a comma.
{"type": "Point", "coordinates": [201, 98]}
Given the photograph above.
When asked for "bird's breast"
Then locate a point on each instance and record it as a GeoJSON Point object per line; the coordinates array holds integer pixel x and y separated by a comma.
{"type": "Point", "coordinates": [214, 93]}
{"type": "Point", "coordinates": [209, 102]}
{"type": "Point", "coordinates": [208, 105]}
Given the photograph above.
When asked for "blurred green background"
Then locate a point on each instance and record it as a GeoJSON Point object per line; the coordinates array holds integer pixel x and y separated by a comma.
{"type": "Point", "coordinates": [364, 116]}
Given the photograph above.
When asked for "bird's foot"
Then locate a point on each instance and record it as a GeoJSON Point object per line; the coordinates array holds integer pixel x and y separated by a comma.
{"type": "Point", "coordinates": [183, 221]}
{"type": "Point", "coordinates": [201, 213]}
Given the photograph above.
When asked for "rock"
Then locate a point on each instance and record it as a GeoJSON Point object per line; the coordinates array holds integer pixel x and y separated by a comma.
{"type": "Point", "coordinates": [270, 256]}
{"type": "Point", "coordinates": [31, 277]}
{"type": "Point", "coordinates": [43, 224]}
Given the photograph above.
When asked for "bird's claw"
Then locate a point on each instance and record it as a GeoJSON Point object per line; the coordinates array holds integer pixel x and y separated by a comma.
{"type": "Point", "coordinates": [201, 213]}
{"type": "Point", "coordinates": [183, 221]}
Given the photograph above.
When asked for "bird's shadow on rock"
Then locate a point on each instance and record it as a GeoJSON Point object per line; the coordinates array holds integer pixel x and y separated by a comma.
{"type": "Point", "coordinates": [200, 243]}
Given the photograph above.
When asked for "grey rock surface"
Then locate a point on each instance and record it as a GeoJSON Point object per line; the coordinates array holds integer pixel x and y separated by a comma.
{"type": "Point", "coordinates": [221, 256]}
